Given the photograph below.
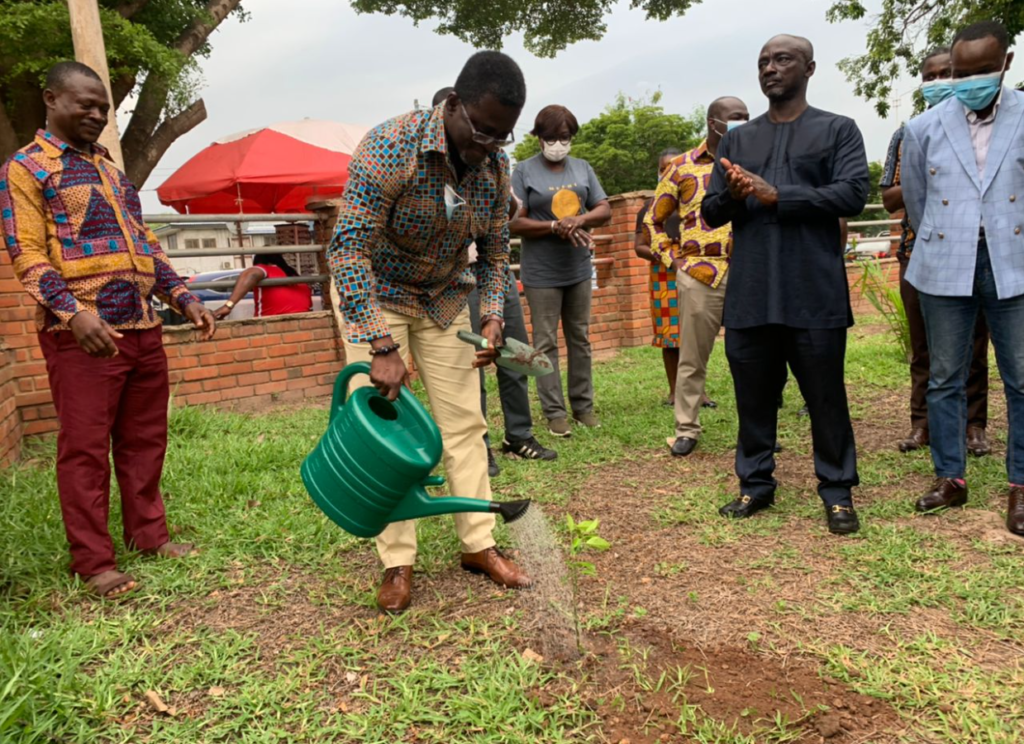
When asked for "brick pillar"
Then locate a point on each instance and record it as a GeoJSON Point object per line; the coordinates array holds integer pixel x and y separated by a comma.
{"type": "Point", "coordinates": [293, 233]}
{"type": "Point", "coordinates": [26, 406]}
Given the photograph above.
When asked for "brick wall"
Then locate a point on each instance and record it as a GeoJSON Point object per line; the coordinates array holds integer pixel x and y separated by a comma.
{"type": "Point", "coordinates": [10, 419]}
{"type": "Point", "coordinates": [254, 362]}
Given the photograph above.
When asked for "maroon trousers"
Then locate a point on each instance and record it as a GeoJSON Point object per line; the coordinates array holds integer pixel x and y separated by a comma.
{"type": "Point", "coordinates": [120, 401]}
{"type": "Point", "coordinates": [977, 378]}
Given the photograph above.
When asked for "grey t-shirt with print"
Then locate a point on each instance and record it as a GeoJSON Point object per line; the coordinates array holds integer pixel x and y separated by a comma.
{"type": "Point", "coordinates": [549, 195]}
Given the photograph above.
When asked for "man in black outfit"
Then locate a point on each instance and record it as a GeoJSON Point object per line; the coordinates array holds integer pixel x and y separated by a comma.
{"type": "Point", "coordinates": [784, 181]}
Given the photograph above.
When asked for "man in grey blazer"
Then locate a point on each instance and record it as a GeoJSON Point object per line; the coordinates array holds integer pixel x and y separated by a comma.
{"type": "Point", "coordinates": [963, 185]}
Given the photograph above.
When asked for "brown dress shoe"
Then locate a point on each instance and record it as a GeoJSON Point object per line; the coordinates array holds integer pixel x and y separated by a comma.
{"type": "Point", "coordinates": [977, 442]}
{"type": "Point", "coordinates": [395, 593]}
{"type": "Point", "coordinates": [946, 493]}
{"type": "Point", "coordinates": [496, 566]}
{"type": "Point", "coordinates": [1015, 511]}
{"type": "Point", "coordinates": [918, 438]}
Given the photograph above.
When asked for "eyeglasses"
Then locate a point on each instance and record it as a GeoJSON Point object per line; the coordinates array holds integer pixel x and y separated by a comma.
{"type": "Point", "coordinates": [485, 139]}
{"type": "Point", "coordinates": [558, 140]}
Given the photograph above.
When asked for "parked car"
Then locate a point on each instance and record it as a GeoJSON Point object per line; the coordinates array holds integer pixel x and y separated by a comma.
{"type": "Point", "coordinates": [214, 298]}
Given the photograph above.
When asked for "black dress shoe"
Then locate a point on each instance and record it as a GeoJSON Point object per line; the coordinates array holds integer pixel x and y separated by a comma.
{"type": "Point", "coordinates": [842, 520]}
{"type": "Point", "coordinates": [777, 448]}
{"type": "Point", "coordinates": [493, 470]}
{"type": "Point", "coordinates": [683, 446]}
{"type": "Point", "coordinates": [745, 506]}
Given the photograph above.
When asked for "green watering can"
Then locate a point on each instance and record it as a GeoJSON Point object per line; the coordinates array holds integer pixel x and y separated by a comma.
{"type": "Point", "coordinates": [373, 464]}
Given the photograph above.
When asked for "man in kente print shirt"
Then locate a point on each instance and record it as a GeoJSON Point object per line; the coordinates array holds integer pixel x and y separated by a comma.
{"type": "Point", "coordinates": [72, 224]}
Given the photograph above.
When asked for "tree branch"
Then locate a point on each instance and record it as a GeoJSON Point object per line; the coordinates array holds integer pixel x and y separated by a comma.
{"type": "Point", "coordinates": [141, 164]}
{"type": "Point", "coordinates": [128, 9]}
{"type": "Point", "coordinates": [200, 29]}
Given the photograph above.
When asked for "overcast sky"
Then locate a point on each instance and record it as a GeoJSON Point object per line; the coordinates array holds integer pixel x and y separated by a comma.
{"type": "Point", "coordinates": [319, 59]}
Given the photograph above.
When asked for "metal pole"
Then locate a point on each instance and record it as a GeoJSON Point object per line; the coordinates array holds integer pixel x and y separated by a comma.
{"type": "Point", "coordinates": [87, 37]}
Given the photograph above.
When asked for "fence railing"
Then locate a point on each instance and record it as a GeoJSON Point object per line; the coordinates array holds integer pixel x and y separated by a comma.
{"type": "Point", "coordinates": [238, 251]}
{"type": "Point", "coordinates": [321, 278]}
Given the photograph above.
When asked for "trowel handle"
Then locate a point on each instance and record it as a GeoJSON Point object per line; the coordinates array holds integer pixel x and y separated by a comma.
{"type": "Point", "coordinates": [475, 339]}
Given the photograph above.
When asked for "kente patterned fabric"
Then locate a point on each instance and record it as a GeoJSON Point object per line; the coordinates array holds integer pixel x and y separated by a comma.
{"type": "Point", "coordinates": [396, 246]}
{"type": "Point", "coordinates": [72, 223]}
{"type": "Point", "coordinates": [703, 251]}
{"type": "Point", "coordinates": [662, 285]}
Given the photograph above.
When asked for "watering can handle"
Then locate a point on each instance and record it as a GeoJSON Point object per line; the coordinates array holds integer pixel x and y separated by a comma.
{"type": "Point", "coordinates": [342, 382]}
{"type": "Point", "coordinates": [345, 377]}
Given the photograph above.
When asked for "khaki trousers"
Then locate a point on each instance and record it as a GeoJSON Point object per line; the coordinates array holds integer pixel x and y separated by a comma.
{"type": "Point", "coordinates": [700, 320]}
{"type": "Point", "coordinates": [445, 365]}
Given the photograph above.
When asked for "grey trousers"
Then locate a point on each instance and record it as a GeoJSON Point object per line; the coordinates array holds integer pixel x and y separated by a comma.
{"type": "Point", "coordinates": [513, 387]}
{"type": "Point", "coordinates": [571, 306]}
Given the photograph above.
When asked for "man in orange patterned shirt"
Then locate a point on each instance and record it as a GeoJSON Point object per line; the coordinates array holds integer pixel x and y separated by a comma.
{"type": "Point", "coordinates": [700, 259]}
{"type": "Point", "coordinates": [72, 223]}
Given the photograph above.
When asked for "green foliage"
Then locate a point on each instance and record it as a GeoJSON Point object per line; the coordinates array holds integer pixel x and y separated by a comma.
{"type": "Point", "coordinates": [905, 31]}
{"type": "Point", "coordinates": [886, 299]}
{"type": "Point", "coordinates": [583, 537]}
{"type": "Point", "coordinates": [547, 27]}
{"type": "Point", "coordinates": [622, 144]}
{"type": "Point", "coordinates": [36, 35]}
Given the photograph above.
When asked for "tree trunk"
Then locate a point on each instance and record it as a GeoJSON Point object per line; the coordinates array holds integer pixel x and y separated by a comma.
{"type": "Point", "coordinates": [141, 163]}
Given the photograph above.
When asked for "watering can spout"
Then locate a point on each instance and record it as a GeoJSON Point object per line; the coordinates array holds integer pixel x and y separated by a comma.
{"type": "Point", "coordinates": [418, 504]}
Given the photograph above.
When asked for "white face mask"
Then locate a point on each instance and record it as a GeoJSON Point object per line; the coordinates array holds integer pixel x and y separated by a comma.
{"type": "Point", "coordinates": [556, 152]}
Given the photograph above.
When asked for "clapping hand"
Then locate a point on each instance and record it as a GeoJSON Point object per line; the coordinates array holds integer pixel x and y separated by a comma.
{"type": "Point", "coordinates": [742, 183]}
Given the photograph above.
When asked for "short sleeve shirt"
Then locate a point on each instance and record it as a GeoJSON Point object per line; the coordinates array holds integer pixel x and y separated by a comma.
{"type": "Point", "coordinates": [549, 196]}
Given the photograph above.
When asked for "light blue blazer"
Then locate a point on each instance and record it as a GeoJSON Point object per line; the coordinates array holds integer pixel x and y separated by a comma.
{"type": "Point", "coordinates": [946, 199]}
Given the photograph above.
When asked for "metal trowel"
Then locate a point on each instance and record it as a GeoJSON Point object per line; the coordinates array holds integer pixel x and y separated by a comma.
{"type": "Point", "coordinates": [514, 355]}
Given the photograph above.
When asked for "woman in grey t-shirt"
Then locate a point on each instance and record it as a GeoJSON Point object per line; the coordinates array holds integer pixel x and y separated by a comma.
{"type": "Point", "coordinates": [561, 199]}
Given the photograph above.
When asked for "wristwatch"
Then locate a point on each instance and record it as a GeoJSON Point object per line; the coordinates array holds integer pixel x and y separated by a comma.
{"type": "Point", "coordinates": [229, 305]}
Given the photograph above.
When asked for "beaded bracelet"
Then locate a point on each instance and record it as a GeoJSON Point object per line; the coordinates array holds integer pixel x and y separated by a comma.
{"type": "Point", "coordinates": [385, 350]}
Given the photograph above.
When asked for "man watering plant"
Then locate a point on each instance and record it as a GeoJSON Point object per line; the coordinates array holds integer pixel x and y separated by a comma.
{"type": "Point", "coordinates": [421, 188]}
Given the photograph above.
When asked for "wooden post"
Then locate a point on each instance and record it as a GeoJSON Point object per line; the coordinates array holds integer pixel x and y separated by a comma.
{"type": "Point", "coordinates": [87, 36]}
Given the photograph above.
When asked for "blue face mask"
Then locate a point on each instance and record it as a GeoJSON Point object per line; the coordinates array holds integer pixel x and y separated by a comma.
{"type": "Point", "coordinates": [731, 124]}
{"type": "Point", "coordinates": [978, 91]}
{"type": "Point", "coordinates": [936, 91]}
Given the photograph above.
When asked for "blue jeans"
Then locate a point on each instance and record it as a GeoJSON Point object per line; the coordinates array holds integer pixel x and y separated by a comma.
{"type": "Point", "coordinates": [949, 324]}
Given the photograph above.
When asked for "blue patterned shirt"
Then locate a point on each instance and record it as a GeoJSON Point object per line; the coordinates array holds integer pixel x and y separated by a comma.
{"type": "Point", "coordinates": [396, 247]}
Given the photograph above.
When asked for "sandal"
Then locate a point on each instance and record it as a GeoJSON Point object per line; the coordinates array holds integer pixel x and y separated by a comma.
{"type": "Point", "coordinates": [103, 584]}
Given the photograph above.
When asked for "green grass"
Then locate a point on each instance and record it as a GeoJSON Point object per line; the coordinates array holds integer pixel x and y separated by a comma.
{"type": "Point", "coordinates": [309, 662]}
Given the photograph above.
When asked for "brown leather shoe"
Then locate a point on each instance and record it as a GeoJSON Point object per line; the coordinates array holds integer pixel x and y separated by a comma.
{"type": "Point", "coordinates": [946, 493]}
{"type": "Point", "coordinates": [496, 566]}
{"type": "Point", "coordinates": [977, 442]}
{"type": "Point", "coordinates": [395, 593]}
{"type": "Point", "coordinates": [1015, 511]}
{"type": "Point", "coordinates": [918, 438]}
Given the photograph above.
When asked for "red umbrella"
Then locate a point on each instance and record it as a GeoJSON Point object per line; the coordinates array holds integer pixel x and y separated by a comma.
{"type": "Point", "coordinates": [278, 168]}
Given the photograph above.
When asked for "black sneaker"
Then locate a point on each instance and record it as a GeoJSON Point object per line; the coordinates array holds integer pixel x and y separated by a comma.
{"type": "Point", "coordinates": [527, 449]}
{"type": "Point", "coordinates": [492, 464]}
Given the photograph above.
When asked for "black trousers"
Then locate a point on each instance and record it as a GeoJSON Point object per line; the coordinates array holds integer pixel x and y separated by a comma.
{"type": "Point", "coordinates": [757, 358]}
